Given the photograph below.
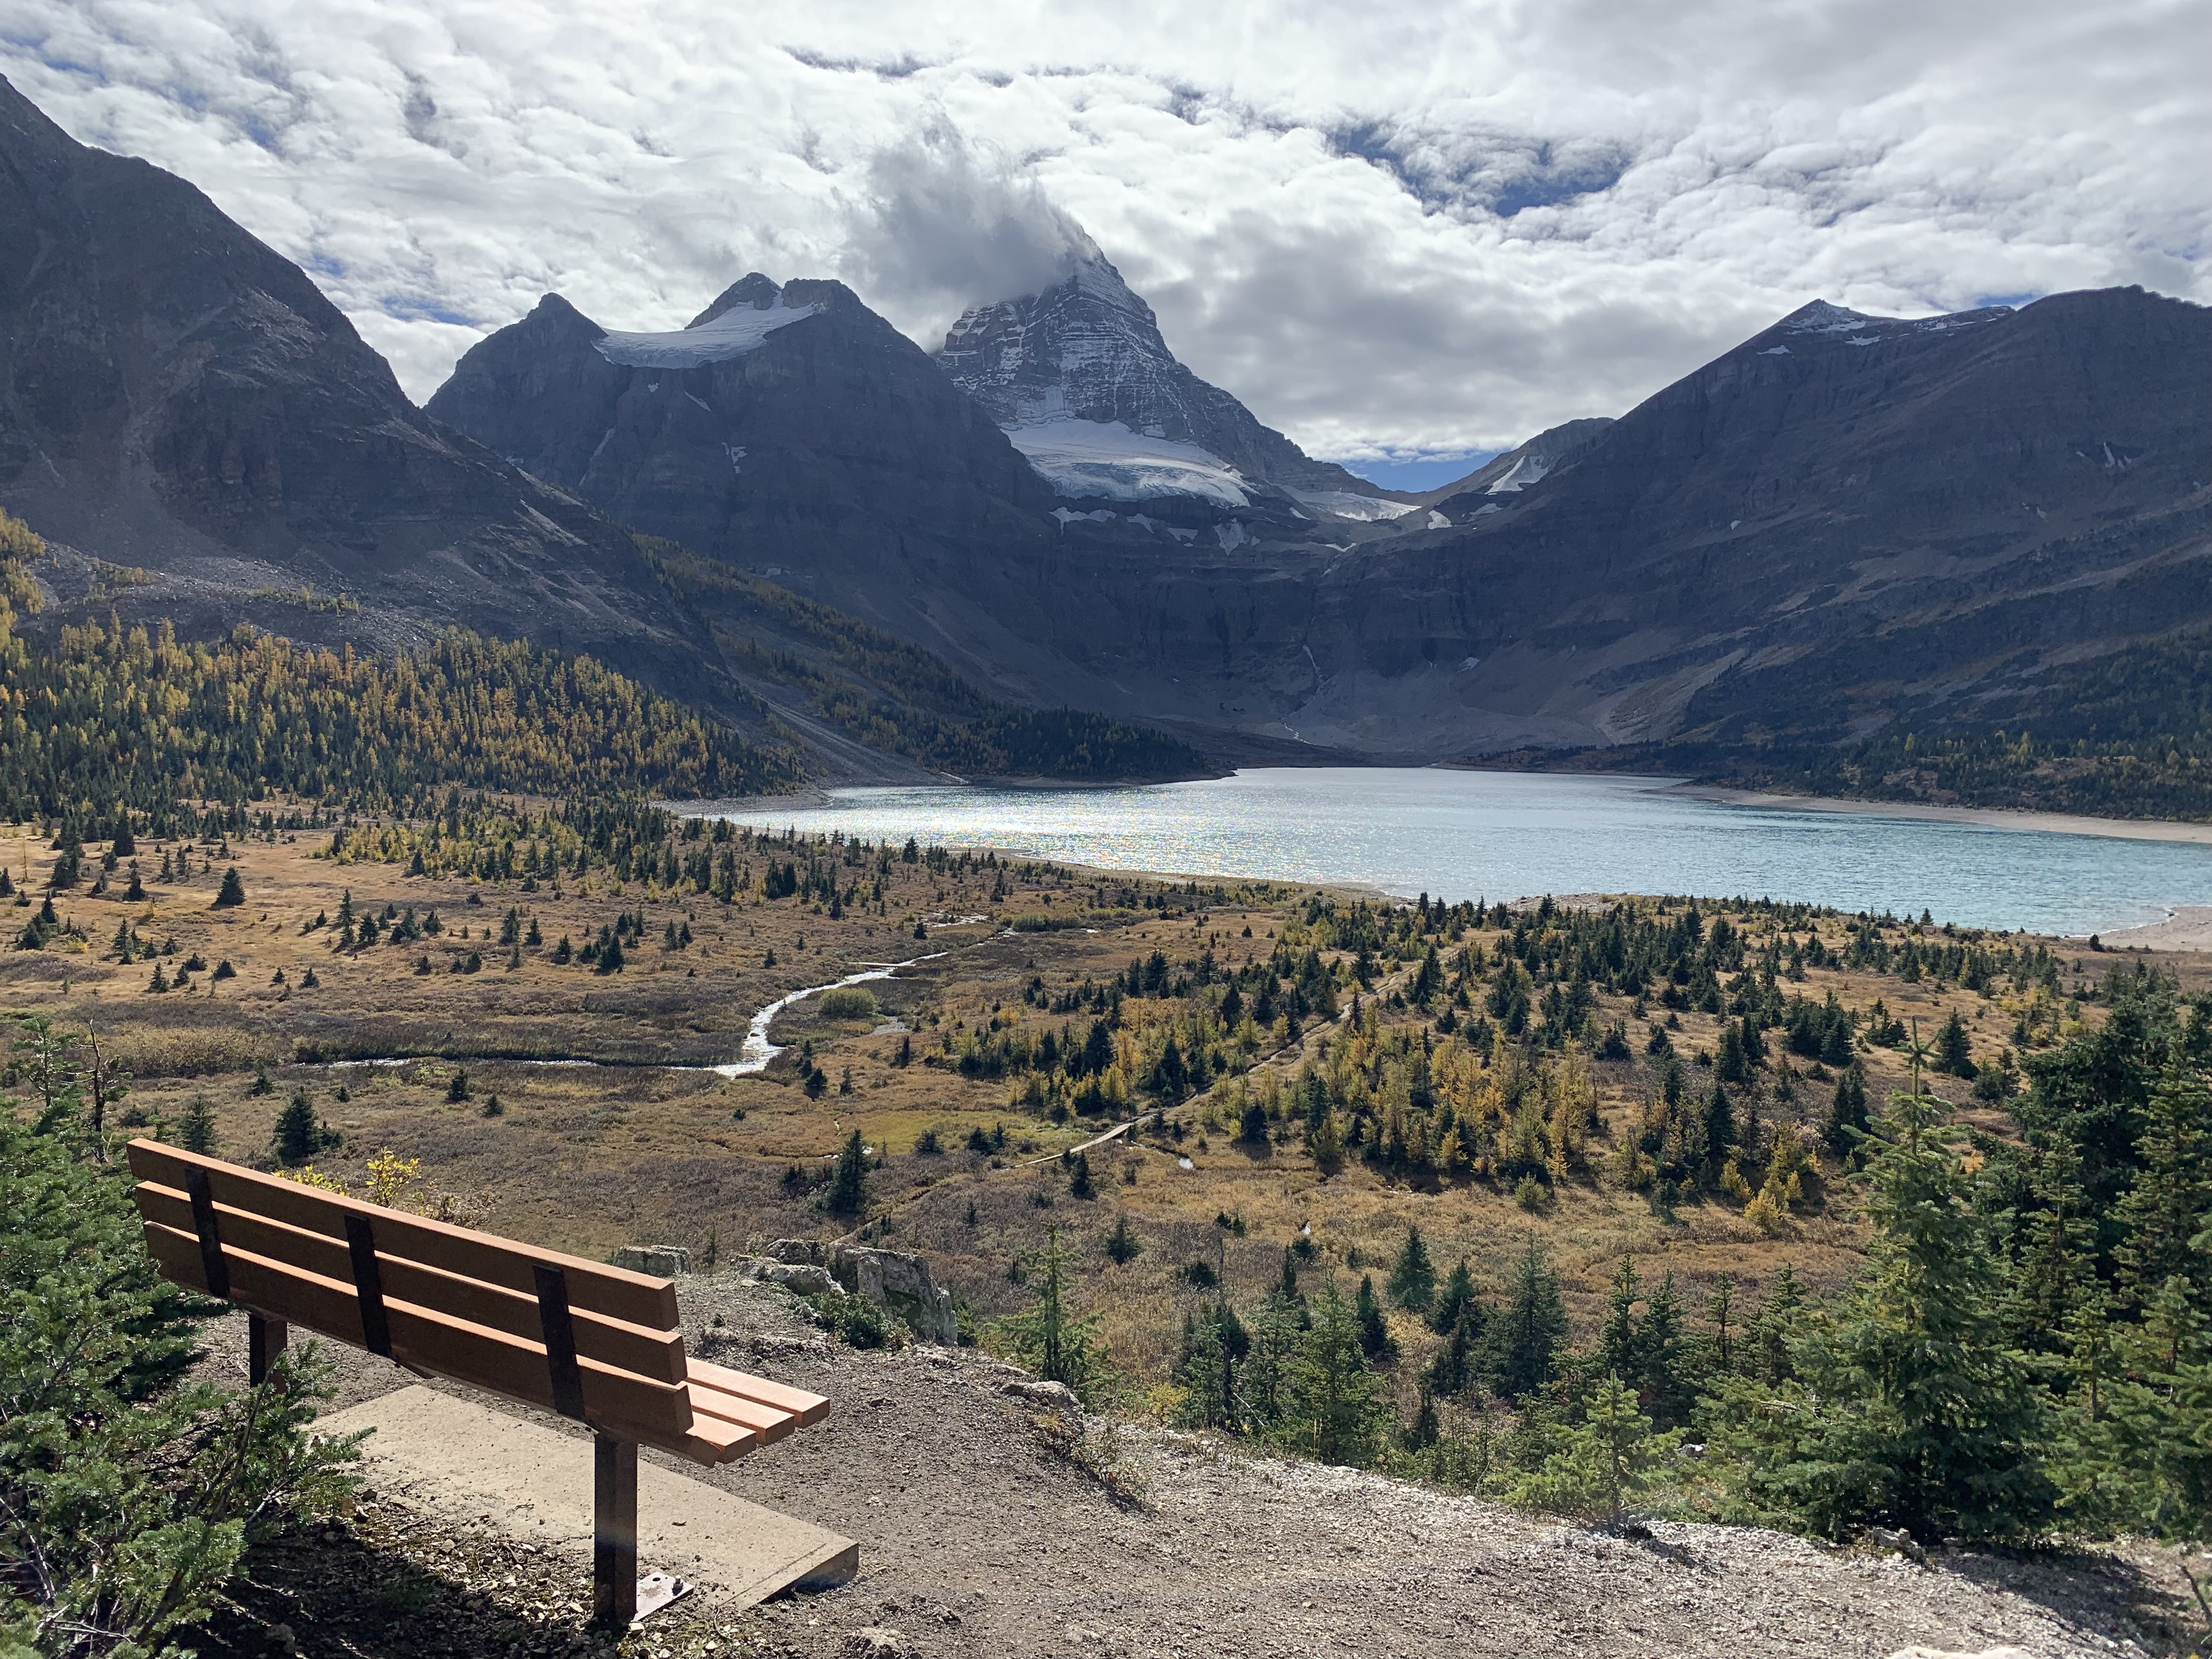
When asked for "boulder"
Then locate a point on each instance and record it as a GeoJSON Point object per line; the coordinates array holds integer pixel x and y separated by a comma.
{"type": "Point", "coordinates": [898, 1283]}
{"type": "Point", "coordinates": [661, 1261]}
{"type": "Point", "coordinates": [1049, 1396]}
{"type": "Point", "coordinates": [801, 1278]}
{"type": "Point", "coordinates": [807, 1250]}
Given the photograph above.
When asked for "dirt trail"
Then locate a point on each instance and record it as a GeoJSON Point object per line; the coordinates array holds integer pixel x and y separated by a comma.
{"type": "Point", "coordinates": [978, 1542]}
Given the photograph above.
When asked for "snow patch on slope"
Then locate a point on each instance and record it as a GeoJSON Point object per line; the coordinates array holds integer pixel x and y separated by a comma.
{"type": "Point", "coordinates": [1529, 469]}
{"type": "Point", "coordinates": [1343, 504]}
{"type": "Point", "coordinates": [733, 334]}
{"type": "Point", "coordinates": [1094, 457]}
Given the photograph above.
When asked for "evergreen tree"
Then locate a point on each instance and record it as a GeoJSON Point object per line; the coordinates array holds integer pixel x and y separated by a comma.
{"type": "Point", "coordinates": [1414, 1278]}
{"type": "Point", "coordinates": [1456, 1369]}
{"type": "Point", "coordinates": [1766, 1351]}
{"type": "Point", "coordinates": [1621, 1339]}
{"type": "Point", "coordinates": [1955, 1048]}
{"type": "Point", "coordinates": [1207, 1373]}
{"type": "Point", "coordinates": [1079, 1177]}
{"type": "Point", "coordinates": [1325, 1146]}
{"type": "Point", "coordinates": [1263, 1382]}
{"type": "Point", "coordinates": [196, 1128]}
{"type": "Point", "coordinates": [300, 1133]}
{"type": "Point", "coordinates": [1425, 1430]}
{"type": "Point", "coordinates": [847, 1194]}
{"type": "Point", "coordinates": [1847, 1112]}
{"type": "Point", "coordinates": [2056, 1266]}
{"type": "Point", "coordinates": [1287, 1286]}
{"type": "Point", "coordinates": [232, 891]}
{"type": "Point", "coordinates": [1730, 1064]}
{"type": "Point", "coordinates": [1719, 1122]}
{"type": "Point", "coordinates": [1337, 1411]}
{"type": "Point", "coordinates": [1665, 1379]}
{"type": "Point", "coordinates": [2167, 1210]}
{"type": "Point", "coordinates": [2158, 1472]}
{"type": "Point", "coordinates": [1458, 1298]}
{"type": "Point", "coordinates": [1122, 1246]}
{"type": "Point", "coordinates": [1909, 1407]}
{"type": "Point", "coordinates": [1522, 1344]}
{"type": "Point", "coordinates": [1050, 1339]}
{"type": "Point", "coordinates": [1720, 1305]}
{"type": "Point", "coordinates": [1602, 1462]}
{"type": "Point", "coordinates": [129, 1490]}
{"type": "Point", "coordinates": [1375, 1338]}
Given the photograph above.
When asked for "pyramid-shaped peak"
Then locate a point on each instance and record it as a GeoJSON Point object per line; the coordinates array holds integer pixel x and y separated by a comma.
{"type": "Point", "coordinates": [1819, 317]}
{"type": "Point", "coordinates": [753, 290]}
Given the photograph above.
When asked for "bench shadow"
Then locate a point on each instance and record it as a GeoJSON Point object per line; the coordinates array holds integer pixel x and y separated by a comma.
{"type": "Point", "coordinates": [344, 1595]}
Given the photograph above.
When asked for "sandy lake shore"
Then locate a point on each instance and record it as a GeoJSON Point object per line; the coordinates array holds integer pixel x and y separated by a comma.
{"type": "Point", "coordinates": [1992, 817]}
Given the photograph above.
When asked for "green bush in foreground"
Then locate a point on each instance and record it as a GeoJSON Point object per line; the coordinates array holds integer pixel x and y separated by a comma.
{"type": "Point", "coordinates": [127, 1494]}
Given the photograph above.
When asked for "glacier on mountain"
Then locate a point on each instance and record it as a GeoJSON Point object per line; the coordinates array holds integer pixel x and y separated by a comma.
{"type": "Point", "coordinates": [1079, 378]}
{"type": "Point", "coordinates": [1105, 458]}
{"type": "Point", "coordinates": [733, 334]}
{"type": "Point", "coordinates": [1343, 504]}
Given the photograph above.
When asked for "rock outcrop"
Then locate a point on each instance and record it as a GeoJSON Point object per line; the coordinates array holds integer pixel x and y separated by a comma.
{"type": "Point", "coordinates": [897, 1281]}
{"type": "Point", "coordinates": [661, 1261]}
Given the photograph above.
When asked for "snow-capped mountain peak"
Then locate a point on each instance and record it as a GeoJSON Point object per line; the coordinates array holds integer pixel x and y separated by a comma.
{"type": "Point", "coordinates": [1080, 378]}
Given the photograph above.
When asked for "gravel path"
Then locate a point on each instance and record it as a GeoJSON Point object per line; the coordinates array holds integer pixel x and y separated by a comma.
{"type": "Point", "coordinates": [982, 1538]}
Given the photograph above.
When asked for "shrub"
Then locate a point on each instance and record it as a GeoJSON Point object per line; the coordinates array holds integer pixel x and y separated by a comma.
{"type": "Point", "coordinates": [1043, 921]}
{"type": "Point", "coordinates": [135, 1492]}
{"type": "Point", "coordinates": [848, 1002]}
{"type": "Point", "coordinates": [855, 1319]}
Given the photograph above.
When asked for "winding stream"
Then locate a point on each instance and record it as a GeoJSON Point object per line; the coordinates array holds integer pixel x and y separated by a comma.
{"type": "Point", "coordinates": [757, 1051]}
{"type": "Point", "coordinates": [754, 1055]}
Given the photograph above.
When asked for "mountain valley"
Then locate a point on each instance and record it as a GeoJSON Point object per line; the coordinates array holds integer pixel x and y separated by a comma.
{"type": "Point", "coordinates": [1845, 528]}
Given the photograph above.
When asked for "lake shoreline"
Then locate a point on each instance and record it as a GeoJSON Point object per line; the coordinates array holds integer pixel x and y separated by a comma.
{"type": "Point", "coordinates": [1463, 833]}
{"type": "Point", "coordinates": [1982, 817]}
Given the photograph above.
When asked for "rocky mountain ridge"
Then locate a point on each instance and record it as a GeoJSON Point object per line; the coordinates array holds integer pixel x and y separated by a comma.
{"type": "Point", "coordinates": [1842, 519]}
{"type": "Point", "coordinates": [1082, 381]}
{"type": "Point", "coordinates": [206, 440]}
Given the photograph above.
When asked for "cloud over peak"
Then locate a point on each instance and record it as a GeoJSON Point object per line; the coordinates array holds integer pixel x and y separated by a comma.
{"type": "Point", "coordinates": [1388, 230]}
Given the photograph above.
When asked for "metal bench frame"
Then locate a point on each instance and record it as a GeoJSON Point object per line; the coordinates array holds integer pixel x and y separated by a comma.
{"type": "Point", "coordinates": [599, 1345]}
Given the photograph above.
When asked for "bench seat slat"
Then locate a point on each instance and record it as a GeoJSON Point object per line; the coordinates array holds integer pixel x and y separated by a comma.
{"type": "Point", "coordinates": [593, 1286]}
{"type": "Point", "coordinates": [709, 1440]}
{"type": "Point", "coordinates": [458, 1348]}
{"type": "Point", "coordinates": [765, 1421]}
{"type": "Point", "coordinates": [655, 1354]}
{"type": "Point", "coordinates": [804, 1409]}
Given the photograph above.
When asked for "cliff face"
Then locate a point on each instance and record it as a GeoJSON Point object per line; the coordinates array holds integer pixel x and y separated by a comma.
{"type": "Point", "coordinates": [1082, 380]}
{"type": "Point", "coordinates": [785, 426]}
{"type": "Point", "coordinates": [176, 396]}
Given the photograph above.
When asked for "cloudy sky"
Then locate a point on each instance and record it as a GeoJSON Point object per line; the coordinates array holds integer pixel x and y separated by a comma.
{"type": "Point", "coordinates": [1400, 231]}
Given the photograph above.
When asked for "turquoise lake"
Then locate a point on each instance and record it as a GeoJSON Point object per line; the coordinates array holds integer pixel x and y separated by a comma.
{"type": "Point", "coordinates": [1506, 835]}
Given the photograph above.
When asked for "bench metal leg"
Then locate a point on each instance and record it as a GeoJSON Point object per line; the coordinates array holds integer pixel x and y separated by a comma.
{"type": "Point", "coordinates": [265, 1338]}
{"type": "Point", "coordinates": [614, 1531]}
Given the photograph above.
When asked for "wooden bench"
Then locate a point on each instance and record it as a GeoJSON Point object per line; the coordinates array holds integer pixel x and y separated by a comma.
{"type": "Point", "coordinates": [595, 1343]}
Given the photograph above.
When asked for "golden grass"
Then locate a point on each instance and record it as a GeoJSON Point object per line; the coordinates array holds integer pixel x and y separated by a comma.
{"type": "Point", "coordinates": [647, 1147]}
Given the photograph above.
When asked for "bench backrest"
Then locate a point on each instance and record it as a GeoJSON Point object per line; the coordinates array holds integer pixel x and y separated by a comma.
{"type": "Point", "coordinates": [596, 1343]}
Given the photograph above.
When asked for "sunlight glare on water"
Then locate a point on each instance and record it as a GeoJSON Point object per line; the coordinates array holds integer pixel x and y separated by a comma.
{"type": "Point", "coordinates": [1504, 834]}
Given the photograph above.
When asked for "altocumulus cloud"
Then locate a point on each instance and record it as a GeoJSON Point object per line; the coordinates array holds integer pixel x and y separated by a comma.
{"type": "Point", "coordinates": [1394, 230]}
